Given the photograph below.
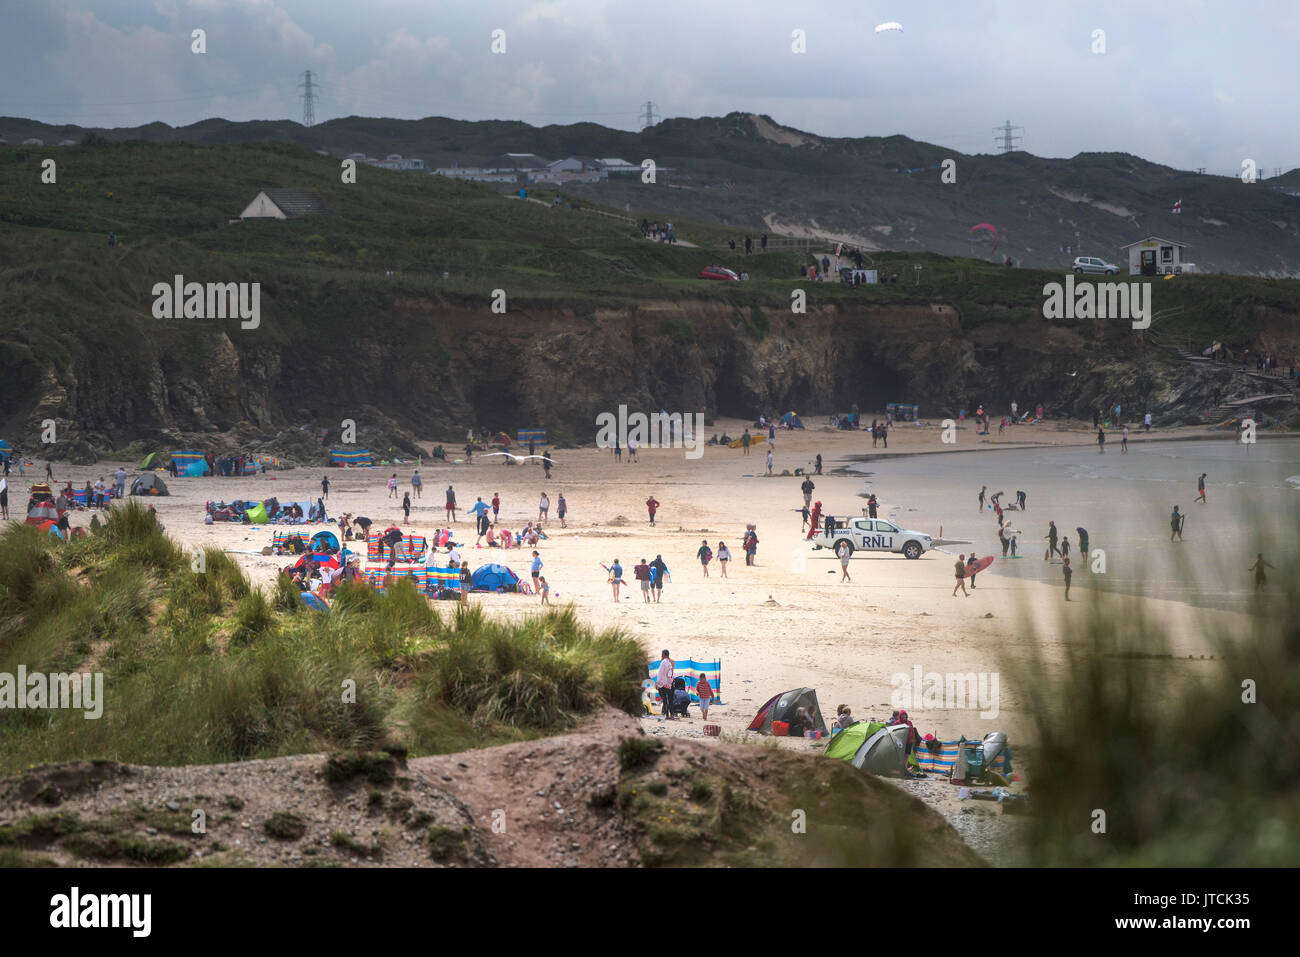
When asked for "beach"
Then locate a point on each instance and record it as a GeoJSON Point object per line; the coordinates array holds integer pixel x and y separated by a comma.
{"type": "Point", "coordinates": [789, 621]}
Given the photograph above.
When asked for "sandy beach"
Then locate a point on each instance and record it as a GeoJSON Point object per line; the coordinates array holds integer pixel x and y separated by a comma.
{"type": "Point", "coordinates": [786, 622]}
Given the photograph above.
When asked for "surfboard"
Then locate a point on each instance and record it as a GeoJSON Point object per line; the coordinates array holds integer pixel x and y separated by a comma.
{"type": "Point", "coordinates": [979, 566]}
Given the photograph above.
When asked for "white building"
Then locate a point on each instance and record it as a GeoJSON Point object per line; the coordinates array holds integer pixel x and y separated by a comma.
{"type": "Point", "coordinates": [283, 204]}
{"type": "Point", "coordinates": [395, 161]}
{"type": "Point", "coordinates": [1154, 256]}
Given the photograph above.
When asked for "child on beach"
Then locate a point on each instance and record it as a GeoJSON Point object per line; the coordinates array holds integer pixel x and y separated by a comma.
{"type": "Point", "coordinates": [561, 509]}
{"type": "Point", "coordinates": [705, 555]}
{"type": "Point", "coordinates": [842, 550]}
{"type": "Point", "coordinates": [704, 691]}
{"type": "Point", "coordinates": [392, 486]}
{"type": "Point", "coordinates": [544, 589]}
{"type": "Point", "coordinates": [724, 556]}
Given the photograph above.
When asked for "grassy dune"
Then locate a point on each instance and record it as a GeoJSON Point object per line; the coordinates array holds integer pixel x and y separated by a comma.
{"type": "Point", "coordinates": [202, 668]}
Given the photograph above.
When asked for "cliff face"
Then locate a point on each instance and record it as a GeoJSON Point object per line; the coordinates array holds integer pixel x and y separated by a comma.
{"type": "Point", "coordinates": [420, 368]}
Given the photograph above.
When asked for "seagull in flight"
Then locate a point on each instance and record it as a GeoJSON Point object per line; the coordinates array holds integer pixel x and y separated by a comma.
{"type": "Point", "coordinates": [516, 458]}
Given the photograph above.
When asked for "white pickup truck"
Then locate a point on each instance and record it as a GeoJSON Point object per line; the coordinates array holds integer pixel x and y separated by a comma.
{"type": "Point", "coordinates": [873, 535]}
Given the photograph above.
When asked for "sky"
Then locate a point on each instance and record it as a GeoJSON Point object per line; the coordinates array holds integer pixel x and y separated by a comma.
{"type": "Point", "coordinates": [1188, 83]}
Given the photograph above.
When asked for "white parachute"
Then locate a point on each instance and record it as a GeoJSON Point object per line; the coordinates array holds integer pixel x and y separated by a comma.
{"type": "Point", "coordinates": [891, 25]}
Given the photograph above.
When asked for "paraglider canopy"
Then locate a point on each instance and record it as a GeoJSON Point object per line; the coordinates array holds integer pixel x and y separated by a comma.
{"type": "Point", "coordinates": [993, 230]}
{"type": "Point", "coordinates": [891, 25]}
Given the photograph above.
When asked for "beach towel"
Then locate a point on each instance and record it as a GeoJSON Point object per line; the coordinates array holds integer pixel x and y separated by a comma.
{"type": "Point", "coordinates": [944, 759]}
{"type": "Point", "coordinates": [690, 671]}
{"type": "Point", "coordinates": [350, 456]}
{"type": "Point", "coordinates": [375, 575]}
{"type": "Point", "coordinates": [411, 548]}
{"type": "Point", "coordinates": [441, 579]}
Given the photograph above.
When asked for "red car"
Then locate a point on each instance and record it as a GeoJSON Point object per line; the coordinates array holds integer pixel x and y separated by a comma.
{"type": "Point", "coordinates": [718, 272]}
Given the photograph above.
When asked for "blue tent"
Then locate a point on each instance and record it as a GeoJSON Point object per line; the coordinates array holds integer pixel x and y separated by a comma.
{"type": "Point", "coordinates": [195, 468]}
{"type": "Point", "coordinates": [324, 542]}
{"type": "Point", "coordinates": [493, 578]}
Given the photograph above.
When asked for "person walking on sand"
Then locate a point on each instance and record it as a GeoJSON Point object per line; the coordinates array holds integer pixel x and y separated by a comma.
{"type": "Point", "coordinates": [842, 550]}
{"type": "Point", "coordinates": [417, 484]}
{"type": "Point", "coordinates": [496, 505]}
{"type": "Point", "coordinates": [1101, 441]}
{"type": "Point", "coordinates": [970, 567]}
{"type": "Point", "coordinates": [1065, 548]}
{"type": "Point", "coordinates": [325, 486]}
{"type": "Point", "coordinates": [769, 461]}
{"type": "Point", "coordinates": [543, 508]}
{"type": "Point", "coordinates": [1176, 524]}
{"type": "Point", "coordinates": [642, 572]}
{"type": "Point", "coordinates": [1051, 542]}
{"type": "Point", "coordinates": [744, 443]}
{"type": "Point", "coordinates": [807, 489]}
{"type": "Point", "coordinates": [960, 568]}
{"type": "Point", "coordinates": [561, 509]}
{"type": "Point", "coordinates": [615, 577]}
{"type": "Point", "coordinates": [406, 507]}
{"type": "Point", "coordinates": [1065, 570]}
{"type": "Point", "coordinates": [704, 691]}
{"type": "Point", "coordinates": [1123, 441]}
{"type": "Point", "coordinates": [631, 450]}
{"type": "Point", "coordinates": [652, 506]}
{"type": "Point", "coordinates": [658, 571]}
{"type": "Point", "coordinates": [750, 544]}
{"type": "Point", "coordinates": [705, 555]}
{"type": "Point", "coordinates": [392, 486]}
{"type": "Point", "coordinates": [1200, 489]}
{"type": "Point", "coordinates": [664, 683]}
{"type": "Point", "coordinates": [536, 569]}
{"type": "Point", "coordinates": [1258, 569]}
{"type": "Point", "coordinates": [547, 462]}
{"type": "Point", "coordinates": [724, 556]}
{"type": "Point", "coordinates": [983, 489]}
{"type": "Point", "coordinates": [451, 504]}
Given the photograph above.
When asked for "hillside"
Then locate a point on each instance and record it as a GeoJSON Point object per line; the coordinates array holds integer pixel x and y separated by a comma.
{"type": "Point", "coordinates": [747, 174]}
{"type": "Point", "coordinates": [380, 311]}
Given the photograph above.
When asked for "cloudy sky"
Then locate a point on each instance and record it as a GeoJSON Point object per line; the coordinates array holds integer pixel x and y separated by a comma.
{"type": "Point", "coordinates": [1190, 83]}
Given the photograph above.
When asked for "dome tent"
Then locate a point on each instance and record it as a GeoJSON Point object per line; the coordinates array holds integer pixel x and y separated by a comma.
{"type": "Point", "coordinates": [872, 746]}
{"type": "Point", "coordinates": [149, 484]}
{"type": "Point", "coordinates": [782, 707]}
{"type": "Point", "coordinates": [493, 578]}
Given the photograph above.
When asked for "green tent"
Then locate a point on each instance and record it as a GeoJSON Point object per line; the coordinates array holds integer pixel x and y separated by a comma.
{"type": "Point", "coordinates": [872, 746]}
{"type": "Point", "coordinates": [845, 744]}
{"type": "Point", "coordinates": [257, 514]}
{"type": "Point", "coordinates": [154, 460]}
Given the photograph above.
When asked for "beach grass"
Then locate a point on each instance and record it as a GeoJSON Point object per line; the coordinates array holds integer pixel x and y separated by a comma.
{"type": "Point", "coordinates": [201, 667]}
{"type": "Point", "coordinates": [1146, 758]}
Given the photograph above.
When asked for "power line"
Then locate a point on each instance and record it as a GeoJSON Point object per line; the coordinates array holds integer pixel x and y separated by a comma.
{"type": "Point", "coordinates": [308, 100]}
{"type": "Point", "coordinates": [1008, 142]}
